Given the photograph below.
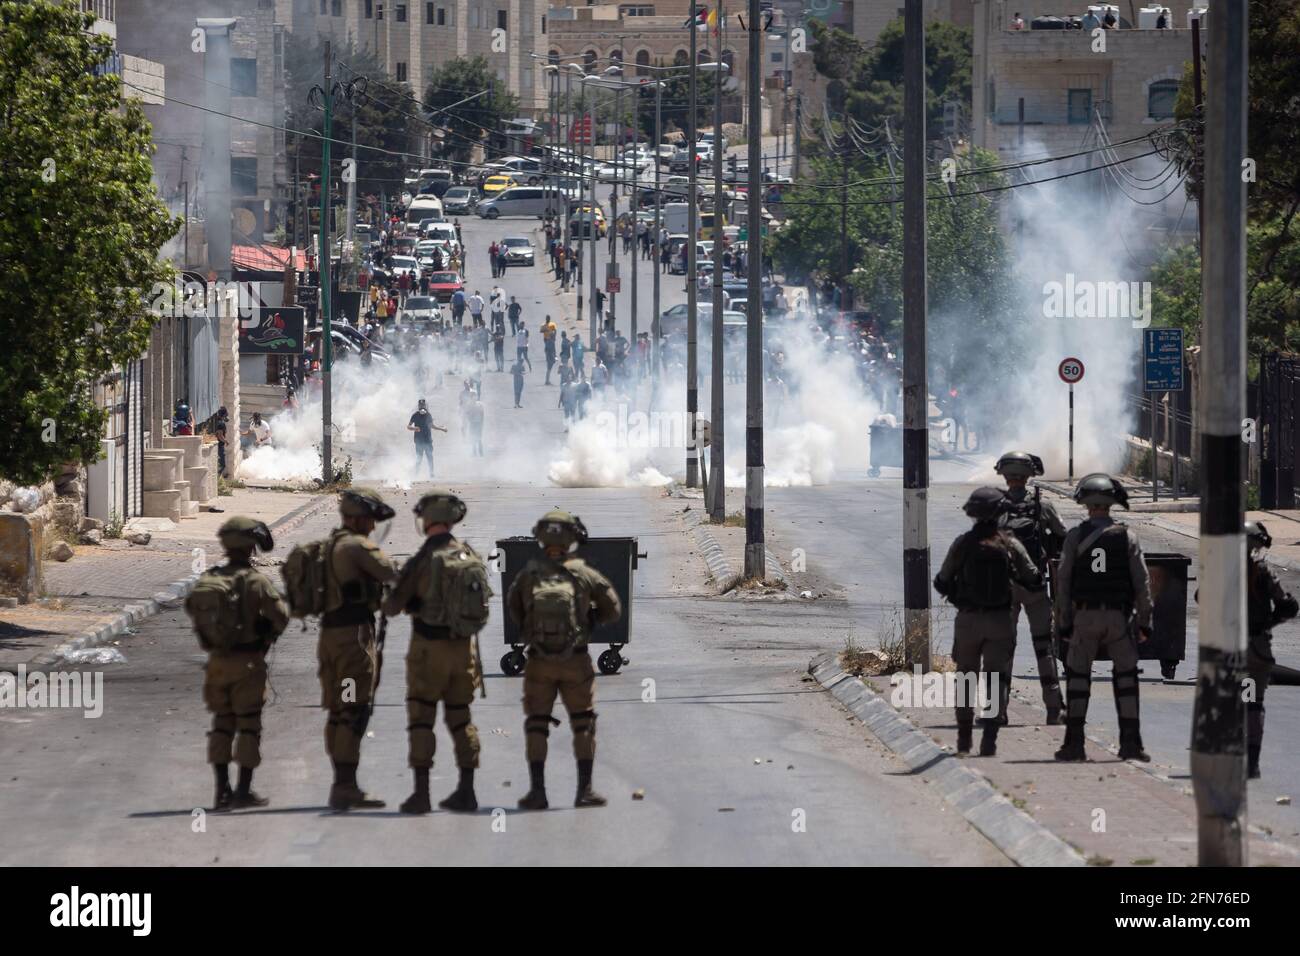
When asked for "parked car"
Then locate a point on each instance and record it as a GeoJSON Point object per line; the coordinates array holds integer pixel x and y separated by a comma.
{"type": "Point", "coordinates": [421, 309]}
{"type": "Point", "coordinates": [443, 284]}
{"type": "Point", "coordinates": [404, 264]}
{"type": "Point", "coordinates": [495, 184]}
{"type": "Point", "coordinates": [460, 200]}
{"type": "Point", "coordinates": [519, 250]}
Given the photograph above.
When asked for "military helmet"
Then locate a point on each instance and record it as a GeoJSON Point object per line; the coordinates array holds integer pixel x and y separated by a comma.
{"type": "Point", "coordinates": [984, 504]}
{"type": "Point", "coordinates": [560, 529]}
{"type": "Point", "coordinates": [242, 532]}
{"type": "Point", "coordinates": [1019, 464]}
{"type": "Point", "coordinates": [440, 506]}
{"type": "Point", "coordinates": [1257, 536]}
{"type": "Point", "coordinates": [364, 503]}
{"type": "Point", "coordinates": [1100, 488]}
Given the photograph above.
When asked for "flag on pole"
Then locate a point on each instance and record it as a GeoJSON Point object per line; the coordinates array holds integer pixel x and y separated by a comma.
{"type": "Point", "coordinates": [701, 20]}
{"type": "Point", "coordinates": [712, 22]}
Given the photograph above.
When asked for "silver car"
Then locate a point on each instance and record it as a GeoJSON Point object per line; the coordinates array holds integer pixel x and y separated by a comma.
{"type": "Point", "coordinates": [519, 250]}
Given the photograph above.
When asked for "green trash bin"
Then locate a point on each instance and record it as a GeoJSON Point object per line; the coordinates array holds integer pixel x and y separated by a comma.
{"type": "Point", "coordinates": [616, 558]}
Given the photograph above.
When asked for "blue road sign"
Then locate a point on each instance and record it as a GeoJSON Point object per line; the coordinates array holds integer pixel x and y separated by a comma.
{"type": "Point", "coordinates": [1162, 360]}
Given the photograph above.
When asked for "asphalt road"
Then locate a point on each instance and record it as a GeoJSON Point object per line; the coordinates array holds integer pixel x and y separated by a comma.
{"type": "Point", "coordinates": [741, 760]}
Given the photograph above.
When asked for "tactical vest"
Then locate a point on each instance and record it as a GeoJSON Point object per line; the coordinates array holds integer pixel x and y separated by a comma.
{"type": "Point", "coordinates": [348, 602]}
{"type": "Point", "coordinates": [557, 598]}
{"type": "Point", "coordinates": [1023, 518]}
{"type": "Point", "coordinates": [984, 577]}
{"type": "Point", "coordinates": [460, 593]}
{"type": "Point", "coordinates": [1259, 603]}
{"type": "Point", "coordinates": [1114, 585]}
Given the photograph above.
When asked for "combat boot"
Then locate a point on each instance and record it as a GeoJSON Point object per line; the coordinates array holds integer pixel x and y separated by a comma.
{"type": "Point", "coordinates": [418, 802]}
{"type": "Point", "coordinates": [1053, 715]}
{"type": "Point", "coordinates": [462, 799]}
{"type": "Point", "coordinates": [1130, 742]}
{"type": "Point", "coordinates": [964, 729]}
{"type": "Point", "coordinates": [1072, 748]}
{"type": "Point", "coordinates": [535, 798]}
{"type": "Point", "coordinates": [989, 739]}
{"type": "Point", "coordinates": [346, 795]}
{"type": "Point", "coordinates": [1252, 761]}
{"type": "Point", "coordinates": [224, 796]}
{"type": "Point", "coordinates": [246, 796]}
{"type": "Point", "coordinates": [586, 796]}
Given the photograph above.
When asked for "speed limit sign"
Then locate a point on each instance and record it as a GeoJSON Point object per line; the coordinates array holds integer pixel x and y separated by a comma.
{"type": "Point", "coordinates": [1070, 370]}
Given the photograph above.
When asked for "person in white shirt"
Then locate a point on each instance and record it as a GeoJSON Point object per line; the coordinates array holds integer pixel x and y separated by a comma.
{"type": "Point", "coordinates": [475, 303]}
{"type": "Point", "coordinates": [259, 430]}
{"type": "Point", "coordinates": [521, 346]}
{"type": "Point", "coordinates": [498, 307]}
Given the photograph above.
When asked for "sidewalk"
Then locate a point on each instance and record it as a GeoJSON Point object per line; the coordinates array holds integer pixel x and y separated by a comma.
{"type": "Point", "coordinates": [1284, 526]}
{"type": "Point", "coordinates": [104, 589]}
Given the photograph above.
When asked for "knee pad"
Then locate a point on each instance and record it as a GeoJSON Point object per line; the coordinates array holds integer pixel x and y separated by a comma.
{"type": "Point", "coordinates": [1126, 683]}
{"type": "Point", "coordinates": [583, 721]}
{"type": "Point", "coordinates": [460, 723]}
{"type": "Point", "coordinates": [539, 724]}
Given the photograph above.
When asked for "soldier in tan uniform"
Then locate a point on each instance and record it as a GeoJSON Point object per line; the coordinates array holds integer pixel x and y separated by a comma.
{"type": "Point", "coordinates": [557, 601]}
{"type": "Point", "coordinates": [977, 577]}
{"type": "Point", "coordinates": [249, 616]}
{"type": "Point", "coordinates": [1102, 593]}
{"type": "Point", "coordinates": [349, 656]}
{"type": "Point", "coordinates": [442, 662]}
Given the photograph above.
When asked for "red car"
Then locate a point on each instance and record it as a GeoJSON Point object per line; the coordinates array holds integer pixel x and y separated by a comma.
{"type": "Point", "coordinates": [442, 285]}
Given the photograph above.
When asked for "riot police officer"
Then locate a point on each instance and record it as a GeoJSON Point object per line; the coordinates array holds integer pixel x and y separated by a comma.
{"type": "Point", "coordinates": [1035, 524]}
{"type": "Point", "coordinates": [238, 614]}
{"type": "Point", "coordinates": [977, 577]}
{"type": "Point", "coordinates": [349, 654]}
{"type": "Point", "coordinates": [444, 589]}
{"type": "Point", "coordinates": [556, 601]}
{"type": "Point", "coordinates": [1102, 592]}
{"type": "Point", "coordinates": [1267, 605]}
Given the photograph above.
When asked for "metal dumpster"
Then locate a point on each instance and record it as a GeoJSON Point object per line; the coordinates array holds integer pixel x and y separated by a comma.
{"type": "Point", "coordinates": [616, 558]}
{"type": "Point", "coordinates": [1168, 641]}
{"type": "Point", "coordinates": [886, 448]}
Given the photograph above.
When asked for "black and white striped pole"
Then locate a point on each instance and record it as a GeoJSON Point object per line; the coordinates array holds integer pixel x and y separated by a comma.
{"type": "Point", "coordinates": [916, 399]}
{"type": "Point", "coordinates": [1218, 761]}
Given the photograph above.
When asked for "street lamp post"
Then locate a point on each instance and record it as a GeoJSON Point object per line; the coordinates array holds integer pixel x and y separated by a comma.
{"type": "Point", "coordinates": [717, 502]}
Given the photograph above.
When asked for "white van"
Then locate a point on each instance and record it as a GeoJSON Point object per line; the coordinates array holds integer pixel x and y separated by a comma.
{"type": "Point", "coordinates": [676, 216]}
{"type": "Point", "coordinates": [518, 201]}
{"type": "Point", "coordinates": [423, 207]}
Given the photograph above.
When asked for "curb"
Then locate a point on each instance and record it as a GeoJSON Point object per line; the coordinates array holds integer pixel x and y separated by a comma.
{"type": "Point", "coordinates": [1286, 564]}
{"type": "Point", "coordinates": [724, 577]}
{"type": "Point", "coordinates": [1024, 840]}
{"type": "Point", "coordinates": [133, 614]}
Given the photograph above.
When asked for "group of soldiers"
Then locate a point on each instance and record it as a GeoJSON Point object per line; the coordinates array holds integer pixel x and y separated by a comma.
{"type": "Point", "coordinates": [556, 601]}
{"type": "Point", "coordinates": [1102, 606]}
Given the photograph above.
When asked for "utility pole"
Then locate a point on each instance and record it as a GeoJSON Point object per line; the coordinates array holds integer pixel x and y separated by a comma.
{"type": "Point", "coordinates": [658, 225]}
{"type": "Point", "coordinates": [613, 200]}
{"type": "Point", "coordinates": [1198, 98]}
{"type": "Point", "coordinates": [591, 215]}
{"type": "Point", "coordinates": [692, 229]}
{"type": "Point", "coordinates": [327, 350]}
{"type": "Point", "coordinates": [844, 229]}
{"type": "Point", "coordinates": [916, 398]}
{"type": "Point", "coordinates": [632, 202]}
{"type": "Point", "coordinates": [185, 184]}
{"type": "Point", "coordinates": [1218, 723]}
{"type": "Point", "coordinates": [755, 552]}
{"type": "Point", "coordinates": [798, 132]}
{"type": "Point", "coordinates": [716, 496]}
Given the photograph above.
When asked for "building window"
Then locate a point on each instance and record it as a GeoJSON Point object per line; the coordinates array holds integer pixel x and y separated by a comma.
{"type": "Point", "coordinates": [243, 175]}
{"type": "Point", "coordinates": [401, 13]}
{"type": "Point", "coordinates": [442, 16]}
{"type": "Point", "coordinates": [401, 72]}
{"type": "Point", "coordinates": [428, 14]}
{"type": "Point", "coordinates": [681, 58]}
{"type": "Point", "coordinates": [243, 76]}
{"type": "Point", "coordinates": [636, 11]}
{"type": "Point", "coordinates": [323, 8]}
{"type": "Point", "coordinates": [379, 11]}
{"type": "Point", "coordinates": [336, 8]}
{"type": "Point", "coordinates": [777, 56]}
{"type": "Point", "coordinates": [1161, 96]}
{"type": "Point", "coordinates": [502, 19]}
{"type": "Point", "coordinates": [543, 26]}
{"type": "Point", "coordinates": [370, 9]}
{"type": "Point", "coordinates": [1078, 106]}
{"type": "Point", "coordinates": [642, 61]}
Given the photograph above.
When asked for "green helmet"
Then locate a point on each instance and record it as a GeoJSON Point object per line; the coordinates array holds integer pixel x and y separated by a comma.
{"type": "Point", "coordinates": [1257, 536]}
{"type": "Point", "coordinates": [559, 529]}
{"type": "Point", "coordinates": [1100, 488]}
{"type": "Point", "coordinates": [240, 532]}
{"type": "Point", "coordinates": [440, 506]}
{"type": "Point", "coordinates": [364, 503]}
{"type": "Point", "coordinates": [1019, 464]}
{"type": "Point", "coordinates": [984, 504]}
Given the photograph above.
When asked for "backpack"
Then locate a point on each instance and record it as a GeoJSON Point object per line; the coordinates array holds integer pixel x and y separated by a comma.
{"type": "Point", "coordinates": [984, 579]}
{"type": "Point", "coordinates": [306, 577]}
{"type": "Point", "coordinates": [1022, 518]}
{"type": "Point", "coordinates": [553, 624]}
{"type": "Point", "coordinates": [460, 591]}
{"type": "Point", "coordinates": [216, 606]}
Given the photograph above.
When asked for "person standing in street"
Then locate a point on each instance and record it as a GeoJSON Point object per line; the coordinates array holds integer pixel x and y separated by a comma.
{"type": "Point", "coordinates": [221, 430]}
{"type": "Point", "coordinates": [476, 304]}
{"type": "Point", "coordinates": [444, 587]}
{"type": "Point", "coordinates": [514, 311]}
{"type": "Point", "coordinates": [548, 346]}
{"type": "Point", "coordinates": [499, 347]}
{"type": "Point", "coordinates": [498, 307]}
{"type": "Point", "coordinates": [475, 414]}
{"type": "Point", "coordinates": [517, 373]}
{"type": "Point", "coordinates": [1103, 593]}
{"type": "Point", "coordinates": [566, 349]}
{"type": "Point", "coordinates": [458, 306]}
{"type": "Point", "coordinates": [976, 577]}
{"type": "Point", "coordinates": [423, 426]}
{"type": "Point", "coordinates": [579, 351]}
{"type": "Point", "coordinates": [238, 614]}
{"type": "Point", "coordinates": [521, 345]}
{"type": "Point", "coordinates": [556, 601]}
{"type": "Point", "coordinates": [492, 259]}
{"type": "Point", "coordinates": [503, 259]}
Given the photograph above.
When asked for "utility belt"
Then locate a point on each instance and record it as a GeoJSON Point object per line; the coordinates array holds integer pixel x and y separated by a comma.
{"type": "Point", "coordinates": [977, 608]}
{"type": "Point", "coordinates": [1103, 606]}
{"type": "Point", "coordinates": [348, 615]}
{"type": "Point", "coordinates": [431, 632]}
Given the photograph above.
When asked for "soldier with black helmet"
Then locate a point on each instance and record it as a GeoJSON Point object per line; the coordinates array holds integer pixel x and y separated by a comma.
{"type": "Point", "coordinates": [444, 587]}
{"type": "Point", "coordinates": [1102, 592]}
{"type": "Point", "coordinates": [977, 577]}
{"type": "Point", "coordinates": [349, 655]}
{"type": "Point", "coordinates": [1035, 523]}
{"type": "Point", "coordinates": [238, 614]}
{"type": "Point", "coordinates": [556, 601]}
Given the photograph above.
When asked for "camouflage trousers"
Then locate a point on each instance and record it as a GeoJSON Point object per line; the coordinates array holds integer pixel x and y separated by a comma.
{"type": "Point", "coordinates": [574, 680]}
{"type": "Point", "coordinates": [983, 643]}
{"type": "Point", "coordinates": [234, 689]}
{"type": "Point", "coordinates": [1038, 611]}
{"type": "Point", "coordinates": [447, 671]}
{"type": "Point", "coordinates": [348, 662]}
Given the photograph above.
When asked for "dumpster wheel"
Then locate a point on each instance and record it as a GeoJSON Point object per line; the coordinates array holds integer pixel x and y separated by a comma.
{"type": "Point", "coordinates": [513, 662]}
{"type": "Point", "coordinates": [611, 660]}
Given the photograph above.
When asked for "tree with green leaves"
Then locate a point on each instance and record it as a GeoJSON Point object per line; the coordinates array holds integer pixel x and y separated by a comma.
{"type": "Point", "coordinates": [81, 225]}
{"type": "Point", "coordinates": [468, 123]}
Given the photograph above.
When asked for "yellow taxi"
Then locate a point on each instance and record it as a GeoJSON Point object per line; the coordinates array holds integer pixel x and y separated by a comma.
{"type": "Point", "coordinates": [494, 184]}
